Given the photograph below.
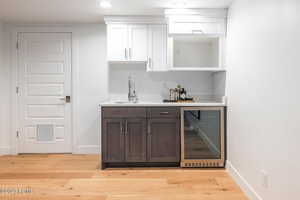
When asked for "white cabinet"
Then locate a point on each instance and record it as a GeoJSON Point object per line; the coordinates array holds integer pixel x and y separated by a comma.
{"type": "Point", "coordinates": [117, 42]}
{"type": "Point", "coordinates": [157, 45]}
{"type": "Point", "coordinates": [197, 21]}
{"type": "Point", "coordinates": [208, 27]}
{"type": "Point", "coordinates": [138, 42]}
{"type": "Point", "coordinates": [127, 42]}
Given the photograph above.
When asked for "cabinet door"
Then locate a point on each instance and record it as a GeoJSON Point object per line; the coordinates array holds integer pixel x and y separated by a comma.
{"type": "Point", "coordinates": [163, 140]}
{"type": "Point", "coordinates": [138, 42]}
{"type": "Point", "coordinates": [113, 140]}
{"type": "Point", "coordinates": [136, 140]}
{"type": "Point", "coordinates": [157, 48]}
{"type": "Point", "coordinates": [208, 26]}
{"type": "Point", "coordinates": [117, 42]}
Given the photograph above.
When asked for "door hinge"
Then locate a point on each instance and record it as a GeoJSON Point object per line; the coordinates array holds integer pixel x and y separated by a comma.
{"type": "Point", "coordinates": [17, 90]}
{"type": "Point", "coordinates": [17, 45]}
{"type": "Point", "coordinates": [17, 134]}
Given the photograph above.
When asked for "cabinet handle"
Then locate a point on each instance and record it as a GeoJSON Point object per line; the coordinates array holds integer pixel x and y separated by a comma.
{"type": "Point", "coordinates": [121, 128]}
{"type": "Point", "coordinates": [125, 53]}
{"type": "Point", "coordinates": [126, 127]}
{"type": "Point", "coordinates": [130, 55]}
{"type": "Point", "coordinates": [164, 113]}
{"type": "Point", "coordinates": [150, 63]}
{"type": "Point", "coordinates": [197, 31]}
{"type": "Point", "coordinates": [149, 129]}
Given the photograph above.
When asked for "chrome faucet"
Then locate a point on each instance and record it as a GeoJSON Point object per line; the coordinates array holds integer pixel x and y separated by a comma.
{"type": "Point", "coordinates": [132, 96]}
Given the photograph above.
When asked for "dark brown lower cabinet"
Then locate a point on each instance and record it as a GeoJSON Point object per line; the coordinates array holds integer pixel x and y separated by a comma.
{"type": "Point", "coordinates": [140, 136]}
{"type": "Point", "coordinates": [135, 140]}
{"type": "Point", "coordinates": [113, 140]}
{"type": "Point", "coordinates": [163, 140]}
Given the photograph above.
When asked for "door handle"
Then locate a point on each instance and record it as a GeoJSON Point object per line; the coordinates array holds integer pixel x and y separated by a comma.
{"type": "Point", "coordinates": [67, 99]}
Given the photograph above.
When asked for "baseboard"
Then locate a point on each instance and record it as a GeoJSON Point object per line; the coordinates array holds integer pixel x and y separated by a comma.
{"type": "Point", "coordinates": [242, 182]}
{"type": "Point", "coordinates": [87, 149]}
{"type": "Point", "coordinates": [5, 151]}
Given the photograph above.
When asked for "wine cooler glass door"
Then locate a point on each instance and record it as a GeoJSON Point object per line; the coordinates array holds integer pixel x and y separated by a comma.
{"type": "Point", "coordinates": [202, 134]}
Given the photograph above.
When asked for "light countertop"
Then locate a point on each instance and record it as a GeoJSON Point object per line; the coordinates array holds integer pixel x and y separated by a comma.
{"type": "Point", "coordinates": [157, 104]}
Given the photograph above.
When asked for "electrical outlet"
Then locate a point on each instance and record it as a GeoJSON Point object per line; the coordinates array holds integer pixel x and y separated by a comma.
{"type": "Point", "coordinates": [264, 179]}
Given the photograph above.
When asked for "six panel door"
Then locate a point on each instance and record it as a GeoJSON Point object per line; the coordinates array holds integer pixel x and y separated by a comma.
{"type": "Point", "coordinates": [113, 140]}
{"type": "Point", "coordinates": [136, 140]}
{"type": "Point", "coordinates": [163, 140]}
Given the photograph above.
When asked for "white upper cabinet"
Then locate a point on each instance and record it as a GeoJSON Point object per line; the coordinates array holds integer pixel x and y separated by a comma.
{"type": "Point", "coordinates": [117, 42]}
{"type": "Point", "coordinates": [138, 42]}
{"type": "Point", "coordinates": [197, 21]}
{"type": "Point", "coordinates": [127, 42]}
{"type": "Point", "coordinates": [209, 27]}
{"type": "Point", "coordinates": [196, 39]}
{"type": "Point", "coordinates": [157, 45]}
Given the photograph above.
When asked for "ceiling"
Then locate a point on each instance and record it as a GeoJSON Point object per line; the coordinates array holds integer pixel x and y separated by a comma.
{"type": "Point", "coordinates": [87, 11]}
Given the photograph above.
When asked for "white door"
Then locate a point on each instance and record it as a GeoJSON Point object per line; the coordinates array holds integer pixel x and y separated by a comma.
{"type": "Point", "coordinates": [117, 42]}
{"type": "Point", "coordinates": [44, 71]}
{"type": "Point", "coordinates": [157, 48]}
{"type": "Point", "coordinates": [138, 42]}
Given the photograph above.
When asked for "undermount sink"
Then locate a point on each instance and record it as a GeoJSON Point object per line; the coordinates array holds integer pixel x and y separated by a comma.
{"type": "Point", "coordinates": [122, 102]}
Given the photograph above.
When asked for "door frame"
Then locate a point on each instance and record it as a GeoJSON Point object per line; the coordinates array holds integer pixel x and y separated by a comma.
{"type": "Point", "coordinates": [15, 125]}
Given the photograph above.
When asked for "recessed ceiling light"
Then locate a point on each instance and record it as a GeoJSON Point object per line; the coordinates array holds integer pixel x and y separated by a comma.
{"type": "Point", "coordinates": [105, 4]}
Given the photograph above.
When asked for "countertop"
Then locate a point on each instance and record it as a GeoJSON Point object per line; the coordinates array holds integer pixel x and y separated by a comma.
{"type": "Point", "coordinates": [157, 104]}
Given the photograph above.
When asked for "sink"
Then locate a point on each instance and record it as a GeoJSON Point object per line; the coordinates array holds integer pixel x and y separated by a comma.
{"type": "Point", "coordinates": [123, 102]}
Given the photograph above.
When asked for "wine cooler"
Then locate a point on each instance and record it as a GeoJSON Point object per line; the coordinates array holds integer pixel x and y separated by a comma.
{"type": "Point", "coordinates": [202, 137]}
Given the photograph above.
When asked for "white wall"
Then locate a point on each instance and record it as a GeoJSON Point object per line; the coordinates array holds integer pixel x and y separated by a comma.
{"type": "Point", "coordinates": [263, 94]}
{"type": "Point", "coordinates": [4, 95]}
{"type": "Point", "coordinates": [156, 85]}
{"type": "Point", "coordinates": [92, 85]}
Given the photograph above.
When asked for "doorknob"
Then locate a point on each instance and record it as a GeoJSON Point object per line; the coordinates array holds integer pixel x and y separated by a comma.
{"type": "Point", "coordinates": [67, 99]}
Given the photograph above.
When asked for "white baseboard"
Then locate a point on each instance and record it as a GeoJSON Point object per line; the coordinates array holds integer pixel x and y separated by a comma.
{"type": "Point", "coordinates": [87, 149]}
{"type": "Point", "coordinates": [5, 151]}
{"type": "Point", "coordinates": [242, 182]}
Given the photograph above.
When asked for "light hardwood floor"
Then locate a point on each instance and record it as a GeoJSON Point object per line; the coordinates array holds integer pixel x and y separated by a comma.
{"type": "Point", "coordinates": [68, 177]}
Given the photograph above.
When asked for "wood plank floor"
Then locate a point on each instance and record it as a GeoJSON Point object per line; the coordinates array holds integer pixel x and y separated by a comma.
{"type": "Point", "coordinates": [74, 177]}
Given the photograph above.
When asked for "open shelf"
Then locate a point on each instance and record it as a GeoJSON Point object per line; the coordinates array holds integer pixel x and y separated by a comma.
{"type": "Point", "coordinates": [204, 69]}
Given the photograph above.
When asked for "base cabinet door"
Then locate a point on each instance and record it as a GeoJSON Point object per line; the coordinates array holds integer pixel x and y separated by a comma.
{"type": "Point", "coordinates": [135, 140]}
{"type": "Point", "coordinates": [113, 140]}
{"type": "Point", "coordinates": [163, 140]}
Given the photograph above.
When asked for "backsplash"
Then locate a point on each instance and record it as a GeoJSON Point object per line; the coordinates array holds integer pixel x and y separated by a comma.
{"type": "Point", "coordinates": [156, 85]}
